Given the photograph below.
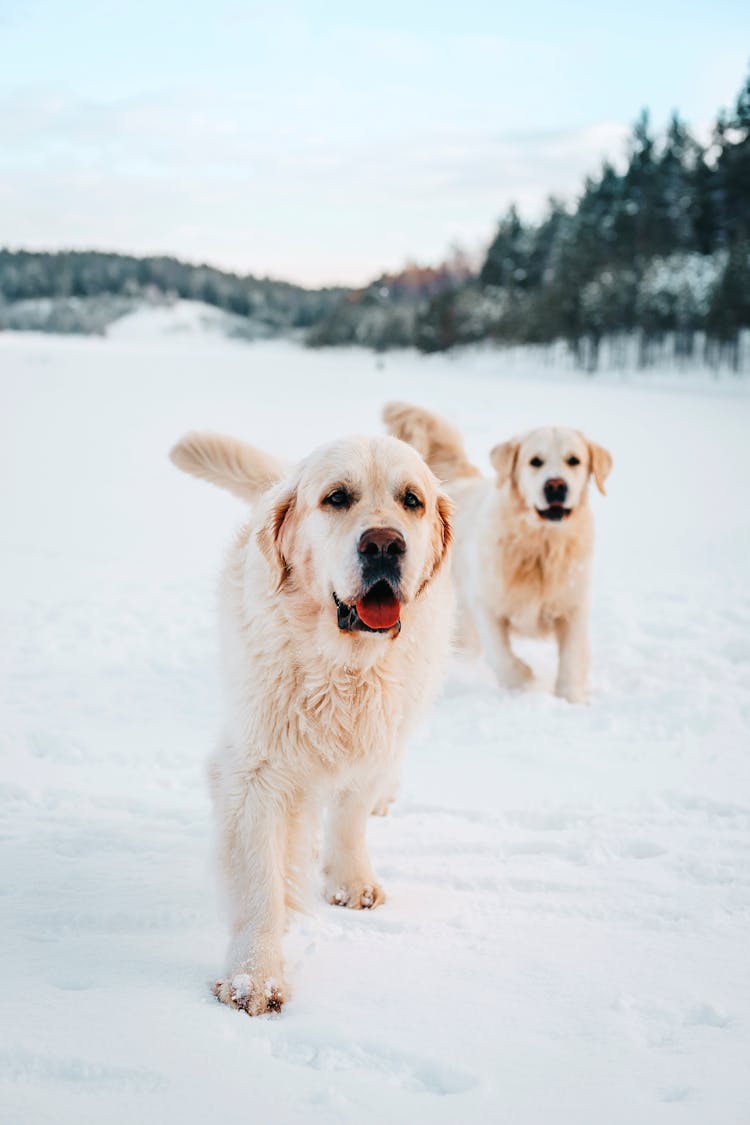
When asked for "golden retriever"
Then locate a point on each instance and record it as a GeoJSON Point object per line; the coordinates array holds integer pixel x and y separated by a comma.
{"type": "Point", "coordinates": [523, 541]}
{"type": "Point", "coordinates": [335, 616]}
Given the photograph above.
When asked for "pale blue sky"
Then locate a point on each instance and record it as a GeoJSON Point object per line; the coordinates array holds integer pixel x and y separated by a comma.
{"type": "Point", "coordinates": [327, 142]}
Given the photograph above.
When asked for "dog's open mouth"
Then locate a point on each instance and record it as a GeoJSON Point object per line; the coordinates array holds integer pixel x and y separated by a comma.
{"type": "Point", "coordinates": [555, 512]}
{"type": "Point", "coordinates": [377, 611]}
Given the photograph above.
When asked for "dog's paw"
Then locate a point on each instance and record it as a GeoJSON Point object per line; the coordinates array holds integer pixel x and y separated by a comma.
{"type": "Point", "coordinates": [573, 693]}
{"type": "Point", "coordinates": [380, 808]}
{"type": "Point", "coordinates": [355, 895]}
{"type": "Point", "coordinates": [517, 675]}
{"type": "Point", "coordinates": [250, 994]}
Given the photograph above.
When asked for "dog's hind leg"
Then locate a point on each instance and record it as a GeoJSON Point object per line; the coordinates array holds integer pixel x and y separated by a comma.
{"type": "Point", "coordinates": [494, 635]}
{"type": "Point", "coordinates": [386, 790]}
{"type": "Point", "coordinates": [301, 851]}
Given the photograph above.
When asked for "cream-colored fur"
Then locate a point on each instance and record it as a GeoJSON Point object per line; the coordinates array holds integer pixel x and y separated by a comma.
{"type": "Point", "coordinates": [240, 468]}
{"type": "Point", "coordinates": [515, 571]}
{"type": "Point", "coordinates": [315, 716]}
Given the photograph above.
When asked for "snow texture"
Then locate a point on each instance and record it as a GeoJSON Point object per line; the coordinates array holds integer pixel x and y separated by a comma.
{"type": "Point", "coordinates": [565, 937]}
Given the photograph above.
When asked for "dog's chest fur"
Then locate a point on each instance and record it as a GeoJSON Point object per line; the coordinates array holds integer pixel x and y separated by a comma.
{"type": "Point", "coordinates": [311, 702]}
{"type": "Point", "coordinates": [295, 707]}
{"type": "Point", "coordinates": [543, 573]}
{"type": "Point", "coordinates": [315, 717]}
{"type": "Point", "coordinates": [345, 714]}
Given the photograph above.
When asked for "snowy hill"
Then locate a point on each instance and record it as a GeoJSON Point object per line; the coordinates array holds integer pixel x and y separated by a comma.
{"type": "Point", "coordinates": [568, 917]}
{"type": "Point", "coordinates": [184, 318]}
{"type": "Point", "coordinates": [83, 291]}
{"type": "Point", "coordinates": [131, 317]}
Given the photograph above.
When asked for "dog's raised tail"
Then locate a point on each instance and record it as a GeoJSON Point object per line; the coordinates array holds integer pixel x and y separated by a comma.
{"type": "Point", "coordinates": [240, 468]}
{"type": "Point", "coordinates": [439, 443]}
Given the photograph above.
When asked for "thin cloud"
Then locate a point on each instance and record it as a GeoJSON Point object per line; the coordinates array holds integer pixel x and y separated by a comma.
{"type": "Point", "coordinates": [326, 148]}
{"type": "Point", "coordinates": [153, 178]}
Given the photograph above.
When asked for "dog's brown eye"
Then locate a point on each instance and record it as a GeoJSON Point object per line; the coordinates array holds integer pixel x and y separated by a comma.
{"type": "Point", "coordinates": [573, 461]}
{"type": "Point", "coordinates": [411, 500]}
{"type": "Point", "coordinates": [536, 462]}
{"type": "Point", "coordinates": [339, 498]}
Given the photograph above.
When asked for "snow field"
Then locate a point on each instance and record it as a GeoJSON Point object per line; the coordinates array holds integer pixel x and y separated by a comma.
{"type": "Point", "coordinates": [566, 931]}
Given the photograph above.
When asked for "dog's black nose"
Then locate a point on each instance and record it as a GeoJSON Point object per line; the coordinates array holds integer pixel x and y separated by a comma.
{"type": "Point", "coordinates": [382, 542]}
{"type": "Point", "coordinates": [555, 490]}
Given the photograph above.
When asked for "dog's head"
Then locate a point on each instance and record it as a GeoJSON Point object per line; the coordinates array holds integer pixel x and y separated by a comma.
{"type": "Point", "coordinates": [358, 533]}
{"type": "Point", "coordinates": [549, 470]}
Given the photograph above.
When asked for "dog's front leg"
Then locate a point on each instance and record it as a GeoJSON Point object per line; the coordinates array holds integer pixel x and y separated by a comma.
{"type": "Point", "coordinates": [573, 657]}
{"type": "Point", "coordinates": [349, 878]}
{"type": "Point", "coordinates": [252, 857]}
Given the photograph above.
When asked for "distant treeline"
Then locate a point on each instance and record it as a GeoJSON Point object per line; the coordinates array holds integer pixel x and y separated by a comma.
{"type": "Point", "coordinates": [659, 250]}
{"type": "Point", "coordinates": [62, 284]}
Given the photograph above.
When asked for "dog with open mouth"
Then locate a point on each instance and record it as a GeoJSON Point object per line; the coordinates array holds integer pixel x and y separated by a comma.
{"type": "Point", "coordinates": [335, 611]}
{"type": "Point", "coordinates": [524, 541]}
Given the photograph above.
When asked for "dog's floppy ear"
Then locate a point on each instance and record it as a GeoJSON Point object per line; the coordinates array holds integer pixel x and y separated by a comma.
{"type": "Point", "coordinates": [503, 458]}
{"type": "Point", "coordinates": [242, 469]}
{"type": "Point", "coordinates": [442, 536]}
{"type": "Point", "coordinates": [444, 530]}
{"type": "Point", "coordinates": [601, 464]}
{"type": "Point", "coordinates": [273, 535]}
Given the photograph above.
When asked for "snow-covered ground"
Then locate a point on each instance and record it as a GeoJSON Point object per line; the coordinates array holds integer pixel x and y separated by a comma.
{"type": "Point", "coordinates": [567, 928]}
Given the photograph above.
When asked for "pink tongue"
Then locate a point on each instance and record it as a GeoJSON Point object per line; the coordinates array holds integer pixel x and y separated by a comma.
{"type": "Point", "coordinates": [380, 612]}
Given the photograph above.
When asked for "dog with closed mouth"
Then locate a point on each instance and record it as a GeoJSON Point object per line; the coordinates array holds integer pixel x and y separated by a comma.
{"type": "Point", "coordinates": [335, 615]}
{"type": "Point", "coordinates": [524, 541]}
